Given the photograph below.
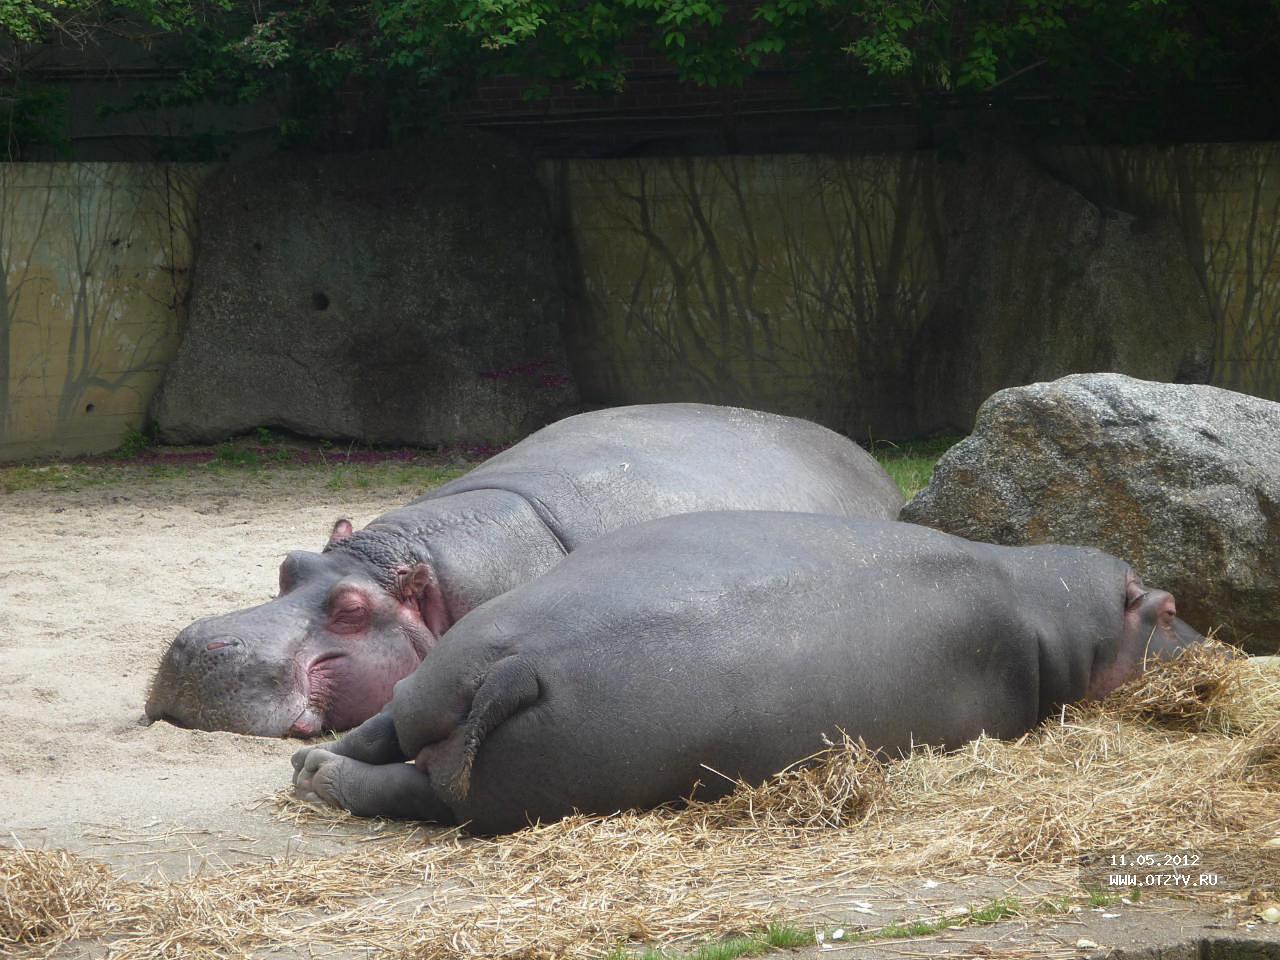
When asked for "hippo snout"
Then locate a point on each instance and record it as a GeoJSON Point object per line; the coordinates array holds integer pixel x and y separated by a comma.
{"type": "Point", "coordinates": [203, 639]}
{"type": "Point", "coordinates": [219, 675]}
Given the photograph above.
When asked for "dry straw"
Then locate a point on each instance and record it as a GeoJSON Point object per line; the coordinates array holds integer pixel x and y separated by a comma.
{"type": "Point", "coordinates": [1185, 758]}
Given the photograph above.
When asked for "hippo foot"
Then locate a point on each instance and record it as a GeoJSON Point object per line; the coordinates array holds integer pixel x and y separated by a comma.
{"type": "Point", "coordinates": [319, 775]}
{"type": "Point", "coordinates": [398, 790]}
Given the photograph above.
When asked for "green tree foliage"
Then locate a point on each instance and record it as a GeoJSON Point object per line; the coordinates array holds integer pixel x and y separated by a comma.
{"type": "Point", "coordinates": [400, 60]}
{"type": "Point", "coordinates": [31, 112]}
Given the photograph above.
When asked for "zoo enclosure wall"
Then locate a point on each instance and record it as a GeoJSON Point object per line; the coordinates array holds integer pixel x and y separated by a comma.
{"type": "Point", "coordinates": [97, 260]}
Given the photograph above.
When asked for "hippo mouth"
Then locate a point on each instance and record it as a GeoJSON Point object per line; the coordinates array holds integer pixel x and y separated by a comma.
{"type": "Point", "coordinates": [318, 681]}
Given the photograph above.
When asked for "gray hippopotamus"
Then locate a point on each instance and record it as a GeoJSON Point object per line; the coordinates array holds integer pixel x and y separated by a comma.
{"type": "Point", "coordinates": [351, 621]}
{"type": "Point", "coordinates": [734, 642]}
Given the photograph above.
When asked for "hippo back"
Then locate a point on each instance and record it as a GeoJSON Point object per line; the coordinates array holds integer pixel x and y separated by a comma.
{"type": "Point", "coordinates": [738, 641]}
{"type": "Point", "coordinates": [612, 468]}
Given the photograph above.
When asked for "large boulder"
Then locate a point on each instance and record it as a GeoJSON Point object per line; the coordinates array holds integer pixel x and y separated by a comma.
{"type": "Point", "coordinates": [1182, 481]}
{"type": "Point", "coordinates": [406, 296]}
{"type": "Point", "coordinates": [1037, 281]}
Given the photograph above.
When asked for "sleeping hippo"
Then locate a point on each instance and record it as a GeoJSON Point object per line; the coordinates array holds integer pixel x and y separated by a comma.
{"type": "Point", "coordinates": [351, 621]}
{"type": "Point", "coordinates": [735, 642]}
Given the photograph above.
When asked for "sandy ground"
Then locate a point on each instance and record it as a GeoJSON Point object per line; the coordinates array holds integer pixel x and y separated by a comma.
{"type": "Point", "coordinates": [93, 586]}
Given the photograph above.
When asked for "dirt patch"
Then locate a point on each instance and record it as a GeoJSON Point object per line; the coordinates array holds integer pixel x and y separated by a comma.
{"type": "Point", "coordinates": [94, 583]}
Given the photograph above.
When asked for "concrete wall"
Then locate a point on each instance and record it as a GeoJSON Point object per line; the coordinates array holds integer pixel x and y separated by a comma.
{"type": "Point", "coordinates": [406, 296]}
{"type": "Point", "coordinates": [807, 284]}
{"type": "Point", "coordinates": [1225, 201]}
{"type": "Point", "coordinates": [94, 260]}
{"type": "Point", "coordinates": [783, 282]}
{"type": "Point", "coordinates": [819, 285]}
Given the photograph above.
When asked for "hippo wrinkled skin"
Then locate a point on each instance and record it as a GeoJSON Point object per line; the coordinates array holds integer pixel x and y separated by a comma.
{"type": "Point", "coordinates": [351, 621]}
{"type": "Point", "coordinates": [736, 642]}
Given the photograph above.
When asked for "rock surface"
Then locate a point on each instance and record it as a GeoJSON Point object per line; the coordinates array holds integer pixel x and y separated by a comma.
{"type": "Point", "coordinates": [1180, 480]}
{"type": "Point", "coordinates": [406, 296]}
{"type": "Point", "coordinates": [1036, 281]}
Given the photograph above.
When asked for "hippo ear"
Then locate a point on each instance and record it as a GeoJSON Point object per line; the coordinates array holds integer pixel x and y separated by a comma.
{"type": "Point", "coordinates": [297, 566]}
{"type": "Point", "coordinates": [1134, 591]}
{"type": "Point", "coordinates": [341, 530]}
{"type": "Point", "coordinates": [417, 583]}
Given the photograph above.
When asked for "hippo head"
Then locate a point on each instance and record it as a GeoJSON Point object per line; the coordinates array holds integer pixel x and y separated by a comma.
{"type": "Point", "coordinates": [323, 655]}
{"type": "Point", "coordinates": [1151, 631]}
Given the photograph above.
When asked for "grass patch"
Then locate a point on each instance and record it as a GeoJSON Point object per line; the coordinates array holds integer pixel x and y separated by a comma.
{"type": "Point", "coordinates": [776, 936]}
{"type": "Point", "coordinates": [1103, 898]}
{"type": "Point", "coordinates": [231, 455]}
{"type": "Point", "coordinates": [135, 443]}
{"type": "Point", "coordinates": [80, 476]}
{"type": "Point", "coordinates": [993, 912]}
{"type": "Point", "coordinates": [230, 461]}
{"type": "Point", "coordinates": [782, 937]}
{"type": "Point", "coordinates": [365, 476]}
{"type": "Point", "coordinates": [140, 458]}
{"type": "Point", "coordinates": [911, 463]}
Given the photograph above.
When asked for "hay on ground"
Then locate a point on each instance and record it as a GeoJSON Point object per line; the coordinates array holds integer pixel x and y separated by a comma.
{"type": "Point", "coordinates": [1186, 758]}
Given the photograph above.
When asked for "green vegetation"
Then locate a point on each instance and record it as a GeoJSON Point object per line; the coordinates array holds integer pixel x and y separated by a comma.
{"type": "Point", "coordinates": [993, 912]}
{"type": "Point", "coordinates": [234, 463]}
{"type": "Point", "coordinates": [1107, 898]}
{"type": "Point", "coordinates": [779, 936]}
{"type": "Point", "coordinates": [135, 443]}
{"type": "Point", "coordinates": [775, 937]}
{"type": "Point", "coordinates": [78, 476]}
{"type": "Point", "coordinates": [364, 70]}
{"type": "Point", "coordinates": [911, 464]}
{"type": "Point", "coordinates": [240, 456]}
{"type": "Point", "coordinates": [366, 476]}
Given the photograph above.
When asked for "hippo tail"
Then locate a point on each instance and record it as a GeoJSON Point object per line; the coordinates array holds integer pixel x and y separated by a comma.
{"type": "Point", "coordinates": [509, 685]}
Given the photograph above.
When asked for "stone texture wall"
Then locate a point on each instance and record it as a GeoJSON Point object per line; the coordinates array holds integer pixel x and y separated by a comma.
{"type": "Point", "coordinates": [94, 264]}
{"type": "Point", "coordinates": [1038, 281]}
{"type": "Point", "coordinates": [783, 282]}
{"type": "Point", "coordinates": [397, 297]}
{"type": "Point", "coordinates": [1224, 201]}
{"type": "Point", "coordinates": [883, 295]}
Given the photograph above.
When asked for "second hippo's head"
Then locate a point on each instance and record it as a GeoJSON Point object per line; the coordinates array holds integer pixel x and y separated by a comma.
{"type": "Point", "coordinates": [325, 654]}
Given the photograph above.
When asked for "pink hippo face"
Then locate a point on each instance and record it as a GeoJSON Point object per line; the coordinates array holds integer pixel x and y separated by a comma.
{"type": "Point", "coordinates": [323, 655]}
{"type": "Point", "coordinates": [1152, 631]}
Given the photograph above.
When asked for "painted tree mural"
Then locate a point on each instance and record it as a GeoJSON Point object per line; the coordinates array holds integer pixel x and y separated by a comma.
{"type": "Point", "coordinates": [1225, 199]}
{"type": "Point", "coordinates": [800, 283]}
{"type": "Point", "coordinates": [95, 260]}
{"type": "Point", "coordinates": [788, 282]}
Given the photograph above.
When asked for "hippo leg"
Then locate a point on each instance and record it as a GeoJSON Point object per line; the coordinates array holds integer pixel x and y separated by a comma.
{"type": "Point", "coordinates": [397, 790]}
{"type": "Point", "coordinates": [374, 741]}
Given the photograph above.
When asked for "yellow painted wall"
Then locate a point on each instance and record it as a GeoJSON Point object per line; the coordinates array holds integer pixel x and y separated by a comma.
{"type": "Point", "coordinates": [95, 261]}
{"type": "Point", "coordinates": [735, 278]}
{"type": "Point", "coordinates": [779, 280]}
{"type": "Point", "coordinates": [772, 280]}
{"type": "Point", "coordinates": [1225, 199]}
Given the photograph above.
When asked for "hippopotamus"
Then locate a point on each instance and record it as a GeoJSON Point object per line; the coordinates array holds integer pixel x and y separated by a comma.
{"type": "Point", "coordinates": [352, 620]}
{"type": "Point", "coordinates": [735, 642]}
